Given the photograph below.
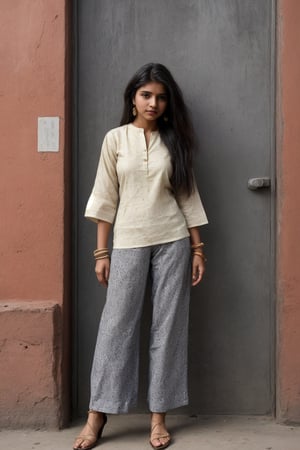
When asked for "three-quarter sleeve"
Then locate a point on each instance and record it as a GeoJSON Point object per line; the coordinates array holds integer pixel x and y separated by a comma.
{"type": "Point", "coordinates": [192, 208]}
{"type": "Point", "coordinates": [103, 201]}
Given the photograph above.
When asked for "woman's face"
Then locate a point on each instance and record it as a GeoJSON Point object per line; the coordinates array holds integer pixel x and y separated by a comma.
{"type": "Point", "coordinates": [150, 101]}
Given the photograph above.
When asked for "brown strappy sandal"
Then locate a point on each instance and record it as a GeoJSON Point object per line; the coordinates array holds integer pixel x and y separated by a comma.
{"type": "Point", "coordinates": [159, 436]}
{"type": "Point", "coordinates": [93, 437]}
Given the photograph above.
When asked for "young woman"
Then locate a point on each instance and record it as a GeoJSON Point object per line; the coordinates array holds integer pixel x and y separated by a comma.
{"type": "Point", "coordinates": [145, 185]}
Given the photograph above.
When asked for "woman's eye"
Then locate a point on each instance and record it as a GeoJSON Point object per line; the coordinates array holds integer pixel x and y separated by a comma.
{"type": "Point", "coordinates": [161, 98]}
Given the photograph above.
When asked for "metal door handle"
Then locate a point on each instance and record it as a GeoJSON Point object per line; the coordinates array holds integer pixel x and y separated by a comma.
{"type": "Point", "coordinates": [258, 183]}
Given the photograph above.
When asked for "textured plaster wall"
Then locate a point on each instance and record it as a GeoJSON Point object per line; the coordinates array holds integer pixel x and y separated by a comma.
{"type": "Point", "coordinates": [34, 214]}
{"type": "Point", "coordinates": [30, 363]}
{"type": "Point", "coordinates": [32, 40]}
{"type": "Point", "coordinates": [288, 244]}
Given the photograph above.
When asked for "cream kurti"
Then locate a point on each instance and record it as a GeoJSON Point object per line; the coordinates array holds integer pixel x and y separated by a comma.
{"type": "Point", "coordinates": [133, 188]}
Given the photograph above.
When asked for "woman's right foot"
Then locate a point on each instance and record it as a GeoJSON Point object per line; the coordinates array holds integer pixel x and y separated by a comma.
{"type": "Point", "coordinates": [91, 432]}
{"type": "Point", "coordinates": [159, 436]}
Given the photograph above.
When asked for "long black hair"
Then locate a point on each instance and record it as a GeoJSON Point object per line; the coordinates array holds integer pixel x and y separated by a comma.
{"type": "Point", "coordinates": [175, 126]}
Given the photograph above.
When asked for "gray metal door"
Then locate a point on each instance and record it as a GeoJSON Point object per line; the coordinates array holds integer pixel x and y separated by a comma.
{"type": "Point", "coordinates": [221, 53]}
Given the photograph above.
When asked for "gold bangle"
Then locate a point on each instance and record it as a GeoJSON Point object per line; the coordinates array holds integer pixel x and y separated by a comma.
{"type": "Point", "coordinates": [101, 254]}
{"type": "Point", "coordinates": [201, 255]}
{"type": "Point", "coordinates": [199, 245]}
{"type": "Point", "coordinates": [101, 257]}
{"type": "Point", "coordinates": [100, 250]}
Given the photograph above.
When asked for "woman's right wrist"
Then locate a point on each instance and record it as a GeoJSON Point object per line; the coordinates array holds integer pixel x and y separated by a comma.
{"type": "Point", "coordinates": [101, 253]}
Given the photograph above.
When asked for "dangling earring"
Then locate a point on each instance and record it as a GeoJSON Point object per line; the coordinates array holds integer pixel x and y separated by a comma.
{"type": "Point", "coordinates": [134, 111]}
{"type": "Point", "coordinates": [166, 119]}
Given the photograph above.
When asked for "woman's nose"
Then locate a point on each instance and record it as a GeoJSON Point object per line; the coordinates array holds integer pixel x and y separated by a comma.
{"type": "Point", "coordinates": [153, 102]}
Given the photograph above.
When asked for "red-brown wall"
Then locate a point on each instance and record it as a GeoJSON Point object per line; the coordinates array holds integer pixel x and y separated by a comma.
{"type": "Point", "coordinates": [33, 275]}
{"type": "Point", "coordinates": [288, 240]}
{"type": "Point", "coordinates": [32, 194]}
{"type": "Point", "coordinates": [35, 201]}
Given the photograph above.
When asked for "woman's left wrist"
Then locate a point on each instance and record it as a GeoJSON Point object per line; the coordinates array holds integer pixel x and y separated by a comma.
{"type": "Point", "coordinates": [197, 250]}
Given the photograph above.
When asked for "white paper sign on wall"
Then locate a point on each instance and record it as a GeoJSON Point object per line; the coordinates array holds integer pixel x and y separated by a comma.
{"type": "Point", "coordinates": [48, 134]}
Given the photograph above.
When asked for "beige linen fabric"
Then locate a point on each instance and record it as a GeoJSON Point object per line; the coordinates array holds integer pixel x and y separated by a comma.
{"type": "Point", "coordinates": [132, 187]}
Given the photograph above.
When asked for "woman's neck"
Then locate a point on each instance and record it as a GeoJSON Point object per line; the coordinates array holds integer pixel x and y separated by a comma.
{"type": "Point", "coordinates": [148, 126]}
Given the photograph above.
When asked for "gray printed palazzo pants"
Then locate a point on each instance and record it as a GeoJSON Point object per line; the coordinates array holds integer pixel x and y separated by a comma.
{"type": "Point", "coordinates": [114, 377]}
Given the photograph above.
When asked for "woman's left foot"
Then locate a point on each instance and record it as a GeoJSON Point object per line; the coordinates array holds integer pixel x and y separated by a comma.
{"type": "Point", "coordinates": [159, 437]}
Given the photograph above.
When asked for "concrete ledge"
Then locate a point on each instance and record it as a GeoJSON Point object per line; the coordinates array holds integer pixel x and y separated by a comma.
{"type": "Point", "coordinates": [30, 359]}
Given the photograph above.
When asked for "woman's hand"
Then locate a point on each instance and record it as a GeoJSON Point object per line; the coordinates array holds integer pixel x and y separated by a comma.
{"type": "Point", "coordinates": [198, 269]}
{"type": "Point", "coordinates": [102, 271]}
